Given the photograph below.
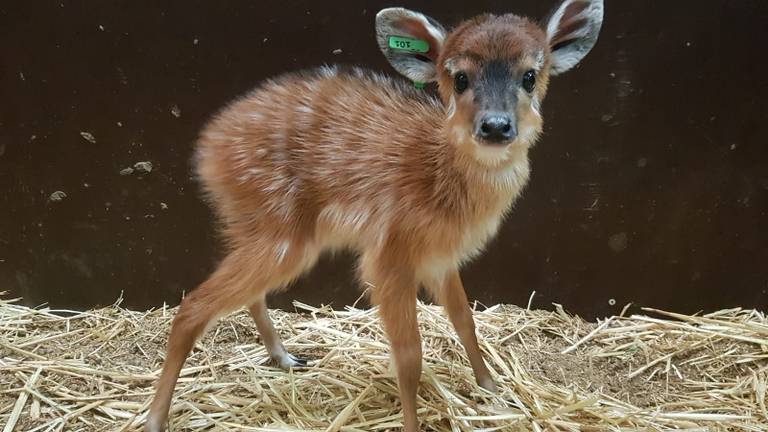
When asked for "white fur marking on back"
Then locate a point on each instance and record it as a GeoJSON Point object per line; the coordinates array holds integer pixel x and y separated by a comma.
{"type": "Point", "coordinates": [282, 250]}
{"type": "Point", "coordinates": [328, 71]}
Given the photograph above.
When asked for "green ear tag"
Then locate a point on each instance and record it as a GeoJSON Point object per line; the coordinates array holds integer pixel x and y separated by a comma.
{"type": "Point", "coordinates": [418, 85]}
{"type": "Point", "coordinates": [408, 44]}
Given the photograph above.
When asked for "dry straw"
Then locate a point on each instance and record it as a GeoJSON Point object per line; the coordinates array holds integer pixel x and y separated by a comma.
{"type": "Point", "coordinates": [94, 371]}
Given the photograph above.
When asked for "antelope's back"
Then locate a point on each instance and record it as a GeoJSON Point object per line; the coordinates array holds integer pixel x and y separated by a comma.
{"type": "Point", "coordinates": [307, 140]}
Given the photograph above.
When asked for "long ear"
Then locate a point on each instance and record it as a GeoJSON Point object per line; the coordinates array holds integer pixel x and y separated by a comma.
{"type": "Point", "coordinates": [410, 41]}
{"type": "Point", "coordinates": [572, 31]}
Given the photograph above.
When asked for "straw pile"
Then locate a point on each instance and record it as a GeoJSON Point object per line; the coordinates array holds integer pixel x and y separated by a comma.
{"type": "Point", "coordinates": [94, 371]}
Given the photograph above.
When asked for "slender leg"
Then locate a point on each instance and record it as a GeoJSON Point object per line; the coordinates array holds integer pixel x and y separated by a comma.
{"type": "Point", "coordinates": [395, 294]}
{"type": "Point", "coordinates": [196, 311]}
{"type": "Point", "coordinates": [399, 318]}
{"type": "Point", "coordinates": [451, 295]}
{"type": "Point", "coordinates": [242, 276]}
{"type": "Point", "coordinates": [270, 337]}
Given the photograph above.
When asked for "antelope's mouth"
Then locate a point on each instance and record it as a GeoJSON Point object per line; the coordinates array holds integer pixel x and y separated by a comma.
{"type": "Point", "coordinates": [497, 143]}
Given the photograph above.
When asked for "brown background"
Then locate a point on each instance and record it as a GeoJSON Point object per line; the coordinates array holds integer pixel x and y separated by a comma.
{"type": "Point", "coordinates": [649, 186]}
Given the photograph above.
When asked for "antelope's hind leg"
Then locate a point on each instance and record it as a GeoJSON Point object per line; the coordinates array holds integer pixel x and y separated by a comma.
{"type": "Point", "coordinates": [244, 275]}
{"type": "Point", "coordinates": [271, 338]}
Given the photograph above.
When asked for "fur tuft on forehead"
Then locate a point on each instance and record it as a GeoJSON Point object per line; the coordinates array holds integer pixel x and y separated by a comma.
{"type": "Point", "coordinates": [487, 37]}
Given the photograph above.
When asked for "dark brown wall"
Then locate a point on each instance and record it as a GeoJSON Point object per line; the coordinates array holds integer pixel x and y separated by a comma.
{"type": "Point", "coordinates": [649, 186]}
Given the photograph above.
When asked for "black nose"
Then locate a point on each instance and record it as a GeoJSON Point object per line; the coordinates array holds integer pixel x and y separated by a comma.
{"type": "Point", "coordinates": [497, 128]}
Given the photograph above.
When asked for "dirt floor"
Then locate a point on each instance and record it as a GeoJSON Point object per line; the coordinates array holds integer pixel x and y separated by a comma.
{"type": "Point", "coordinates": [94, 371]}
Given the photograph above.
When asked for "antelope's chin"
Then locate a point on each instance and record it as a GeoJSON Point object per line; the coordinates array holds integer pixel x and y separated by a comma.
{"type": "Point", "coordinates": [496, 154]}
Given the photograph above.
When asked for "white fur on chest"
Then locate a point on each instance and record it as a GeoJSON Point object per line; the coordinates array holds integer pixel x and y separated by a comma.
{"type": "Point", "coordinates": [507, 184]}
{"type": "Point", "coordinates": [471, 243]}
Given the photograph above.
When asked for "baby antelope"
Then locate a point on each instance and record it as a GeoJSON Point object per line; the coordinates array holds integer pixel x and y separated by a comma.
{"type": "Point", "coordinates": [414, 184]}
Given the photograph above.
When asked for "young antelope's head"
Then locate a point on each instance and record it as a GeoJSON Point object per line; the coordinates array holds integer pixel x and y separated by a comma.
{"type": "Point", "coordinates": [491, 71]}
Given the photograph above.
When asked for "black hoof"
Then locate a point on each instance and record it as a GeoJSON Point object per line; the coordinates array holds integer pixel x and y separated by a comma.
{"type": "Point", "coordinates": [289, 361]}
{"type": "Point", "coordinates": [300, 362]}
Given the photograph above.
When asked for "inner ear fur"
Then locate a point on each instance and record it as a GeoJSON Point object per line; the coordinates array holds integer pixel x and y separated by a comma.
{"type": "Point", "coordinates": [406, 23]}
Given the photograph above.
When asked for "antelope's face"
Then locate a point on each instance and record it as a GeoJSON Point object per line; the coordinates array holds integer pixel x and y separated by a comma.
{"type": "Point", "coordinates": [492, 71]}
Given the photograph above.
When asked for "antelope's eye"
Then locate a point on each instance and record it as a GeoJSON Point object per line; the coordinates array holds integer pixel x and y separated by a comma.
{"type": "Point", "coordinates": [460, 82]}
{"type": "Point", "coordinates": [529, 80]}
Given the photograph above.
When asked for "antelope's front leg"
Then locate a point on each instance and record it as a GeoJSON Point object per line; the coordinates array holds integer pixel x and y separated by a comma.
{"type": "Point", "coordinates": [398, 314]}
{"type": "Point", "coordinates": [450, 294]}
{"type": "Point", "coordinates": [395, 293]}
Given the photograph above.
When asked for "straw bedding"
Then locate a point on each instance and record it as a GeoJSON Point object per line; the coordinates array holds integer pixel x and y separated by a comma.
{"type": "Point", "coordinates": [94, 371]}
